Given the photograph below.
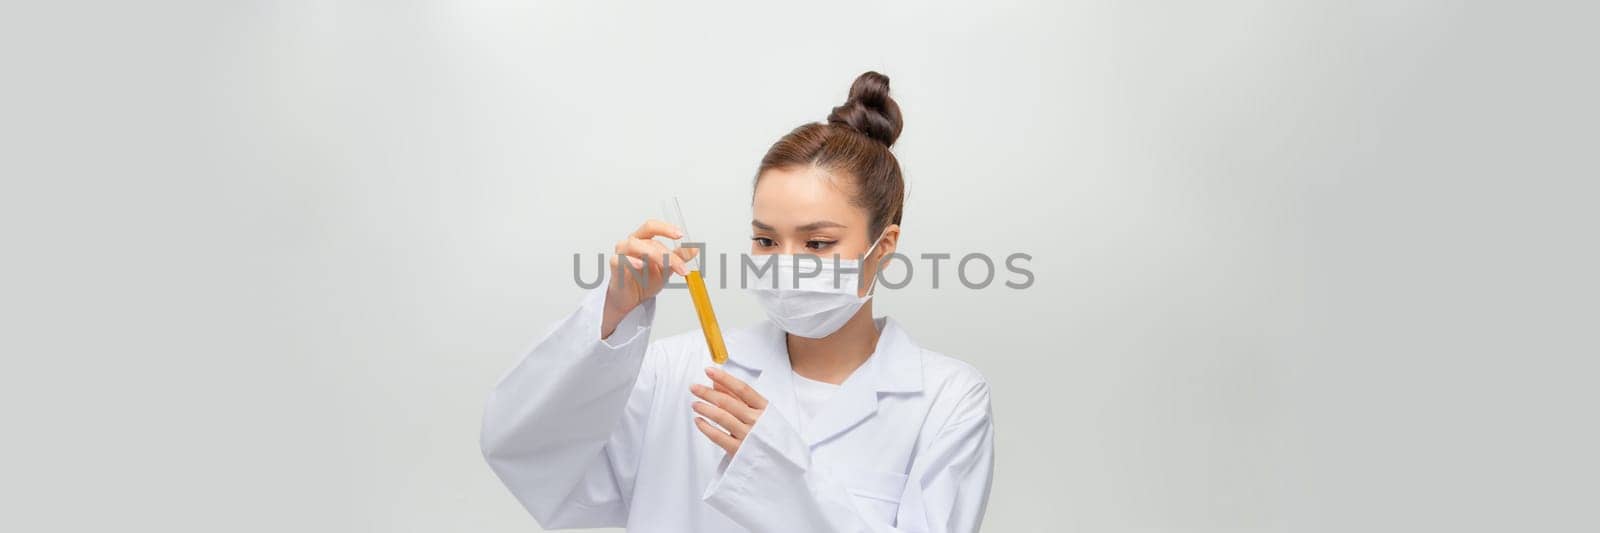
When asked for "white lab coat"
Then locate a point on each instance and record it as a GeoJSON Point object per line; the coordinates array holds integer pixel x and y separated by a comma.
{"type": "Point", "coordinates": [599, 433]}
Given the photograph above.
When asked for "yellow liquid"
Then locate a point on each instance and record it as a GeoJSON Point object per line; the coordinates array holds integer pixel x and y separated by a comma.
{"type": "Point", "coordinates": [708, 319]}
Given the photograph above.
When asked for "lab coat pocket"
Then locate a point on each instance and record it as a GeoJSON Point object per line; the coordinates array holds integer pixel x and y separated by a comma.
{"type": "Point", "coordinates": [877, 493]}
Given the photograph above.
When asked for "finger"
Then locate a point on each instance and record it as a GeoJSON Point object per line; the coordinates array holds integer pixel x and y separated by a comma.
{"type": "Point", "coordinates": [654, 253]}
{"type": "Point", "coordinates": [655, 228]}
{"type": "Point", "coordinates": [679, 264]}
{"type": "Point", "coordinates": [722, 417]}
{"type": "Point", "coordinates": [646, 249]}
{"type": "Point", "coordinates": [726, 402]}
{"type": "Point", "coordinates": [737, 387]}
{"type": "Point", "coordinates": [724, 389]}
{"type": "Point", "coordinates": [633, 272]}
{"type": "Point", "coordinates": [733, 397]}
{"type": "Point", "coordinates": [680, 257]}
{"type": "Point", "coordinates": [634, 264]}
{"type": "Point", "coordinates": [722, 440]}
{"type": "Point", "coordinates": [658, 255]}
{"type": "Point", "coordinates": [746, 411]}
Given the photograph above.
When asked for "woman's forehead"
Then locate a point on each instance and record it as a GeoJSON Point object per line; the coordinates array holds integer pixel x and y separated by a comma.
{"type": "Point", "coordinates": [790, 197]}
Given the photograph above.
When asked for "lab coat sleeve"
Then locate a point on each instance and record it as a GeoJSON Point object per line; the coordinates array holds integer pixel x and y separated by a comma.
{"type": "Point", "coordinates": [770, 486]}
{"type": "Point", "coordinates": [564, 427]}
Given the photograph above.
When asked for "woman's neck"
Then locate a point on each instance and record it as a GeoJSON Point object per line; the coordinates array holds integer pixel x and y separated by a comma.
{"type": "Point", "coordinates": [833, 358]}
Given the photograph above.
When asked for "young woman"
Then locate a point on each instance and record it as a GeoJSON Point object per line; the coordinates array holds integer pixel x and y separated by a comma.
{"type": "Point", "coordinates": [823, 419]}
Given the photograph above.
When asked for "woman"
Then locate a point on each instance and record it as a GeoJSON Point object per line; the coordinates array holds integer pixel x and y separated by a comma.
{"type": "Point", "coordinates": [823, 419]}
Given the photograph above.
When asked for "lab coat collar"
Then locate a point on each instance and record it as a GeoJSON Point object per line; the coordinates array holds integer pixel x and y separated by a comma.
{"type": "Point", "coordinates": [895, 366]}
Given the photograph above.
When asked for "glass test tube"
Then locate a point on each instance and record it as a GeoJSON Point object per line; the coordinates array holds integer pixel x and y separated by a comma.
{"type": "Point", "coordinates": [697, 286]}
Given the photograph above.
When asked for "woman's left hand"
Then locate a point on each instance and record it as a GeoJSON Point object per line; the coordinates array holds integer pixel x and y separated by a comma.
{"type": "Point", "coordinates": [732, 404]}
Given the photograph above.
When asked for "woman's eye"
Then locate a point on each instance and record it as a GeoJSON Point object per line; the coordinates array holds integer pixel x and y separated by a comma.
{"type": "Point", "coordinates": [763, 242]}
{"type": "Point", "coordinates": [818, 245]}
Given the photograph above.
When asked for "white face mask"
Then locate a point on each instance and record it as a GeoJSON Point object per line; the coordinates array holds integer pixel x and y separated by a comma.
{"type": "Point", "coordinates": [811, 306]}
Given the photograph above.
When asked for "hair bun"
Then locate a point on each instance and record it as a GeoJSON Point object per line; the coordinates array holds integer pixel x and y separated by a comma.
{"type": "Point", "coordinates": [870, 110]}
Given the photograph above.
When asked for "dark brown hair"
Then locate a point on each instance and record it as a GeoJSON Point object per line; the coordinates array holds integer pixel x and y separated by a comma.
{"type": "Point", "coordinates": [854, 143]}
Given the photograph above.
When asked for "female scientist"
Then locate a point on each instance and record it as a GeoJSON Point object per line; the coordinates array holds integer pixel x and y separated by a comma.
{"type": "Point", "coordinates": [823, 419]}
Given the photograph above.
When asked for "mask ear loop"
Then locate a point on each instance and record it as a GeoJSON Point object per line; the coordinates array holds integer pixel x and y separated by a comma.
{"type": "Point", "coordinates": [873, 285]}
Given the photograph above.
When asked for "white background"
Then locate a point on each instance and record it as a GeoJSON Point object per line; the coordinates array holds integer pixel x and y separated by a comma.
{"type": "Point", "coordinates": [1299, 266]}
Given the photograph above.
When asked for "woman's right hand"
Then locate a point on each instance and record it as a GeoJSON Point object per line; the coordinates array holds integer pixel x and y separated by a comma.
{"type": "Point", "coordinates": [637, 273]}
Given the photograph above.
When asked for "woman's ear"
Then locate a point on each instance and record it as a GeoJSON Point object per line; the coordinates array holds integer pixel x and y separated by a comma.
{"type": "Point", "coordinates": [887, 244]}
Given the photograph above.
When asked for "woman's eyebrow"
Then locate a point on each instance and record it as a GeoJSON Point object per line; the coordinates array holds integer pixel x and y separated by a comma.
{"type": "Point", "coordinates": [819, 225]}
{"type": "Point", "coordinates": [813, 226]}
